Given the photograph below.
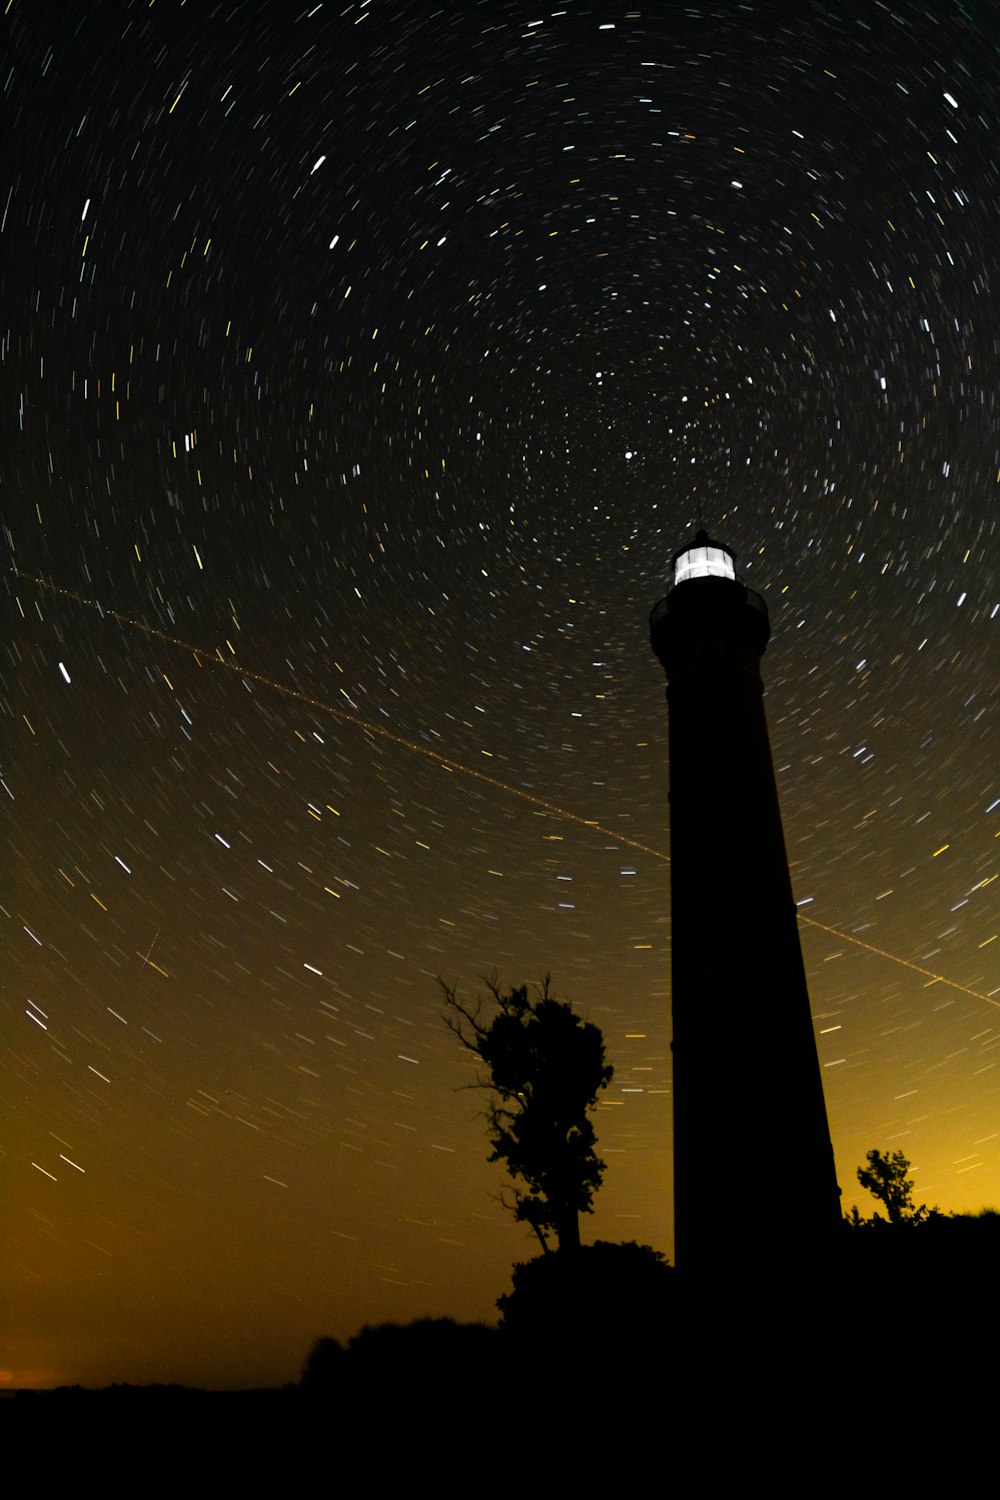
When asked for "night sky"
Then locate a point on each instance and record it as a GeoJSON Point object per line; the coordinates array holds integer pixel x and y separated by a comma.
{"type": "Point", "coordinates": [361, 370]}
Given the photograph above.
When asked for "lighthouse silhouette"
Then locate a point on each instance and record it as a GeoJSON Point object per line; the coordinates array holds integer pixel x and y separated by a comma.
{"type": "Point", "coordinates": [754, 1175]}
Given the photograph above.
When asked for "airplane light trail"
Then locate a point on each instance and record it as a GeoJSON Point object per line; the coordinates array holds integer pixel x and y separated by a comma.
{"type": "Point", "coordinates": [202, 655]}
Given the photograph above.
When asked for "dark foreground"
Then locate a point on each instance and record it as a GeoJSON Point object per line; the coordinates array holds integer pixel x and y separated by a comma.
{"type": "Point", "coordinates": [877, 1365]}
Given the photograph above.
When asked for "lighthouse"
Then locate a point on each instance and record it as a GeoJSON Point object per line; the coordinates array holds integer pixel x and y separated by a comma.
{"type": "Point", "coordinates": [754, 1177]}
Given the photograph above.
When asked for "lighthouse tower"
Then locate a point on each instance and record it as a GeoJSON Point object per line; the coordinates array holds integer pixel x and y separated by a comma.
{"type": "Point", "coordinates": [754, 1177]}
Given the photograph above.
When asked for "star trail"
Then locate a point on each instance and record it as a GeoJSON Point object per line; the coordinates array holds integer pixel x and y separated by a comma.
{"type": "Point", "coordinates": [381, 355]}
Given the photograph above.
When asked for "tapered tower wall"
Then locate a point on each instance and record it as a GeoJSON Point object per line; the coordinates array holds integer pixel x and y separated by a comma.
{"type": "Point", "coordinates": [755, 1179]}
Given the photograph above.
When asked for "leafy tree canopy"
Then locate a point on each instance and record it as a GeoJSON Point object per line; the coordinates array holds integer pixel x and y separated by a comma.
{"type": "Point", "coordinates": [607, 1297]}
{"type": "Point", "coordinates": [544, 1067]}
{"type": "Point", "coordinates": [885, 1177]}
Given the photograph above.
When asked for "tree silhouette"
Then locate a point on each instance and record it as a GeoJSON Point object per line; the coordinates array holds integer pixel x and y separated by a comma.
{"type": "Point", "coordinates": [324, 1368]}
{"type": "Point", "coordinates": [545, 1067]}
{"type": "Point", "coordinates": [885, 1178]}
{"type": "Point", "coordinates": [607, 1299]}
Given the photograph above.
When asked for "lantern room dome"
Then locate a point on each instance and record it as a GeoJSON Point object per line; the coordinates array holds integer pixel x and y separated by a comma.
{"type": "Point", "coordinates": [704, 558]}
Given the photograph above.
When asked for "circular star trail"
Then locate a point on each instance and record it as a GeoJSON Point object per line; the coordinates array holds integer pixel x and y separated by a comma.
{"type": "Point", "coordinates": [385, 354]}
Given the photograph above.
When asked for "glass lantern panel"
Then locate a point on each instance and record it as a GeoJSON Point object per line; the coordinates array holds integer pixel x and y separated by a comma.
{"type": "Point", "coordinates": [704, 562]}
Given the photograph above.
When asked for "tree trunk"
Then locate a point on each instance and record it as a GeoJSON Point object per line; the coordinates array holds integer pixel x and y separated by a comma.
{"type": "Point", "coordinates": [568, 1230]}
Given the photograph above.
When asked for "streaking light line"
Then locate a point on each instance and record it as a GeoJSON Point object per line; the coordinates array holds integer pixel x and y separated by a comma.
{"type": "Point", "coordinates": [201, 656]}
{"type": "Point", "coordinates": [907, 964]}
{"type": "Point", "coordinates": [217, 659]}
